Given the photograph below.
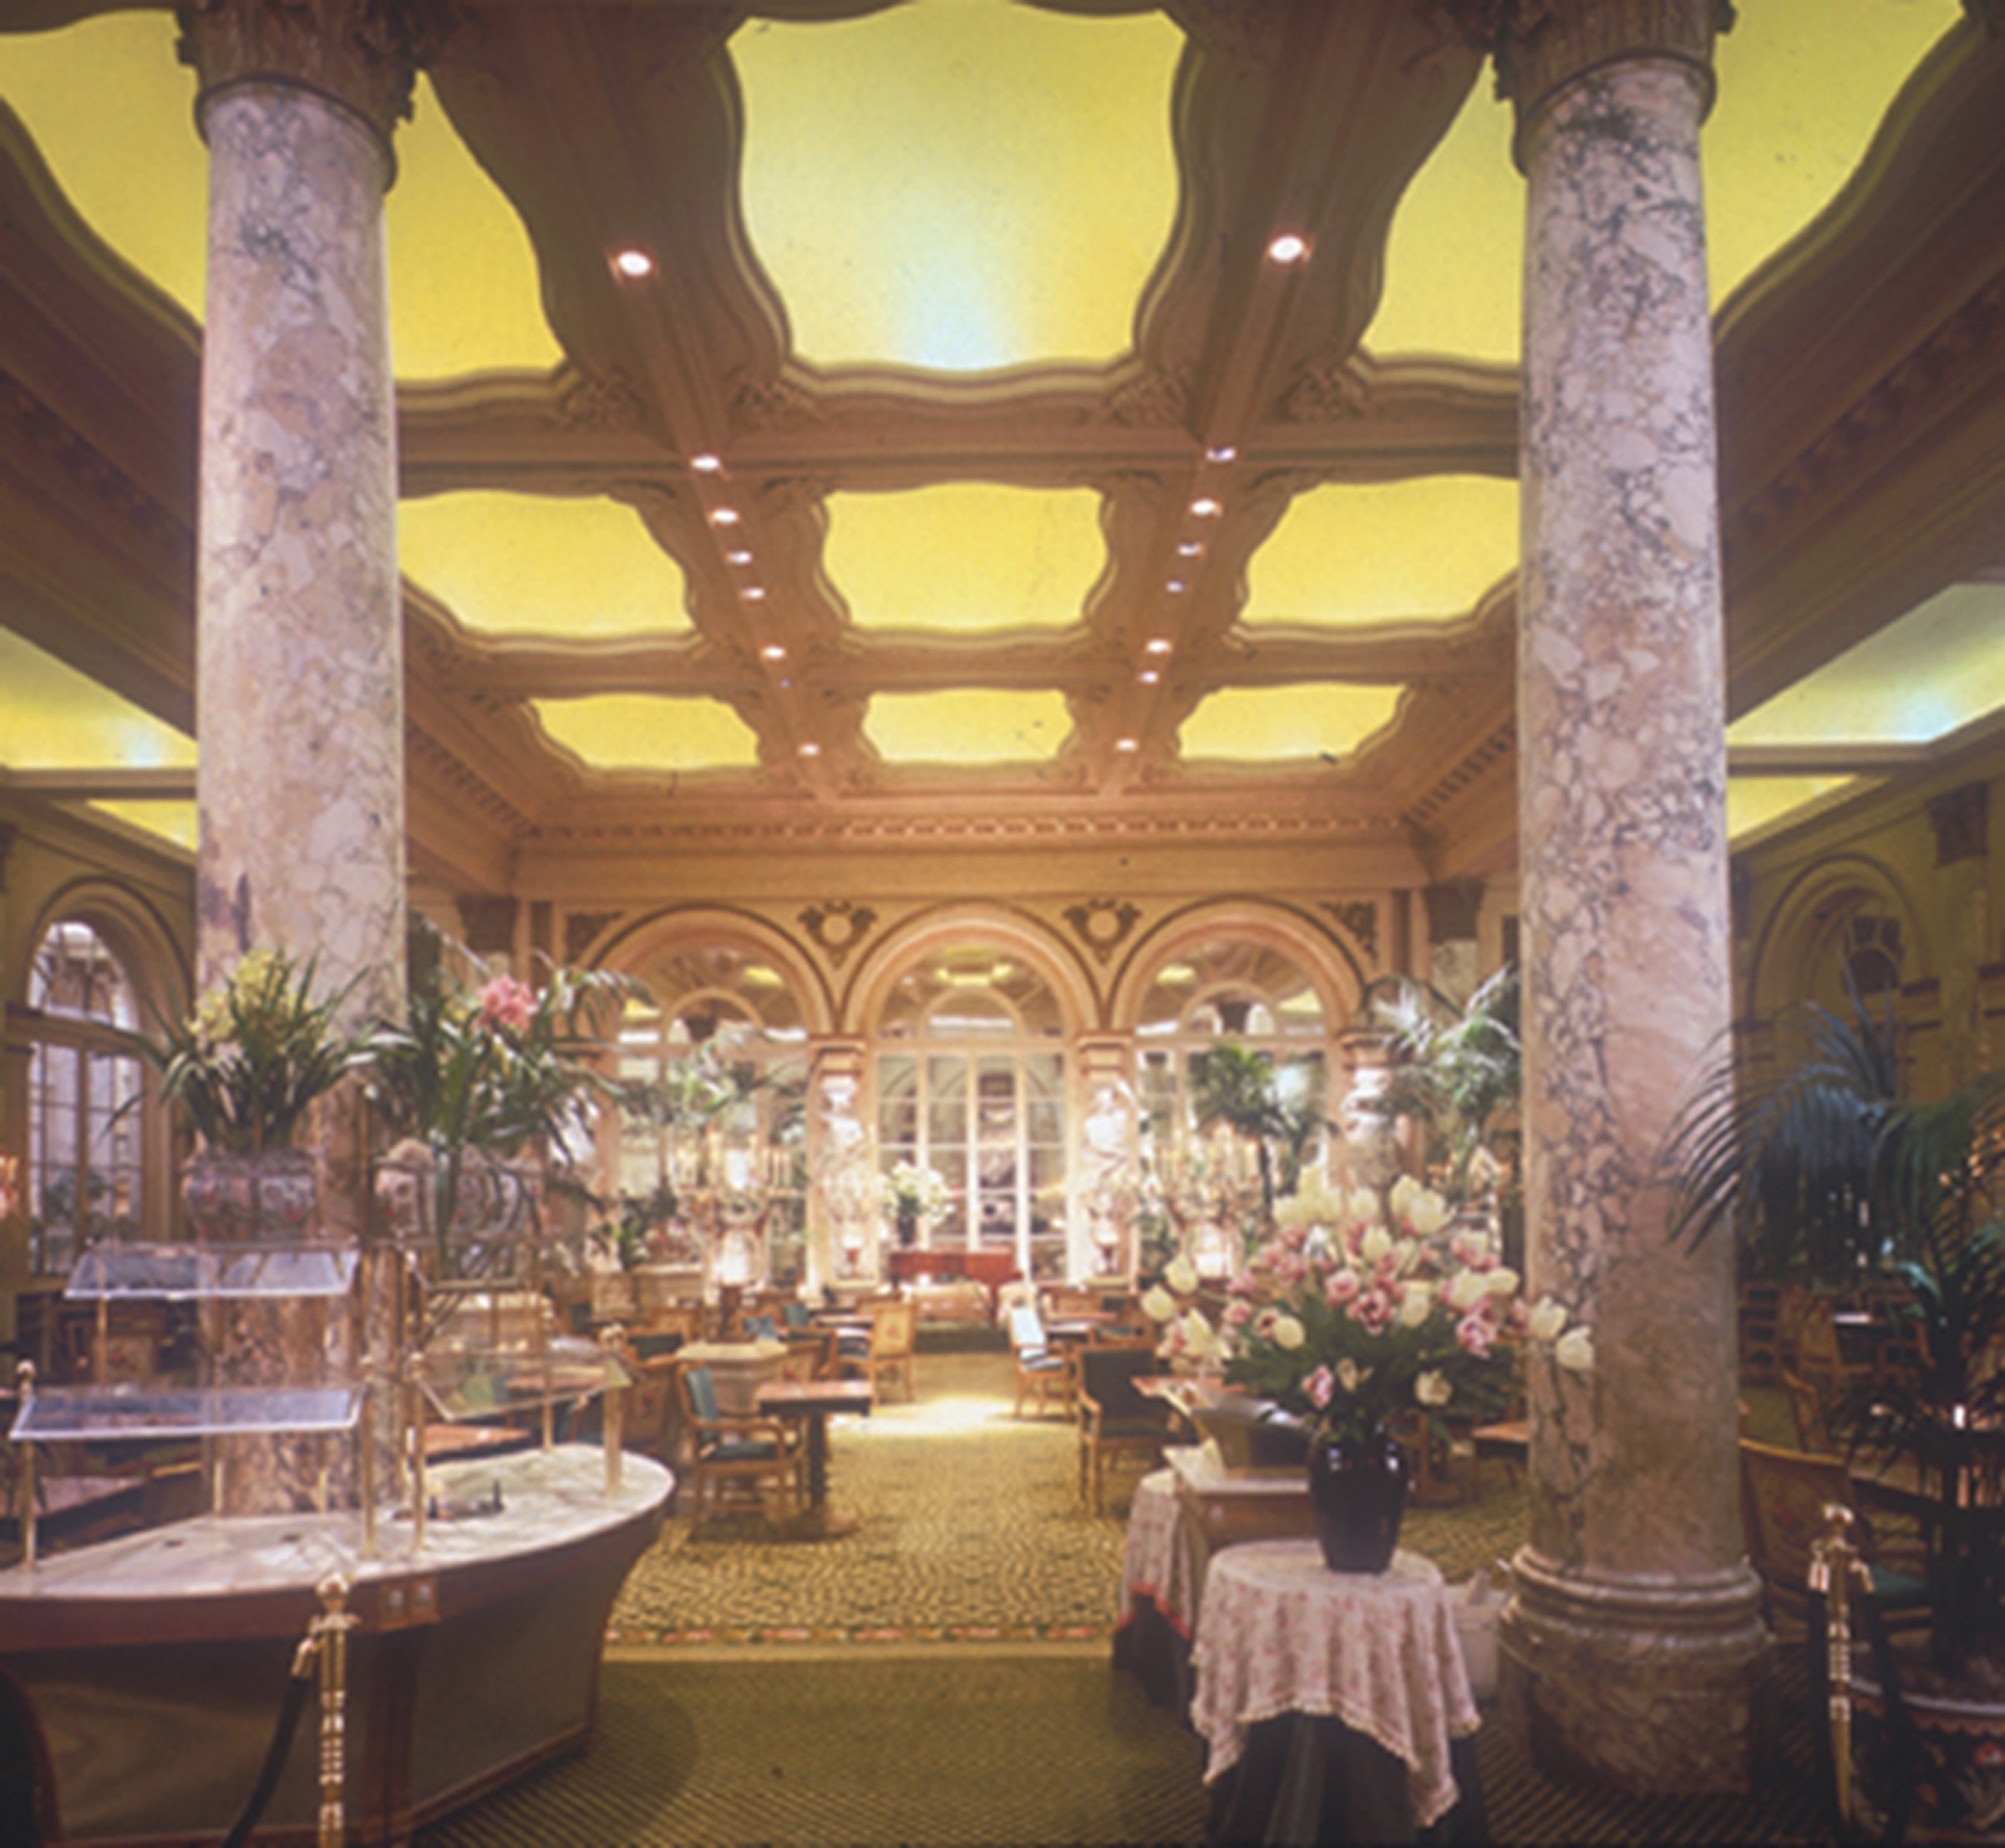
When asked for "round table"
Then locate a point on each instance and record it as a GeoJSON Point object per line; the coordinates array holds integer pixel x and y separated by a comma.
{"type": "Point", "coordinates": [1279, 1634]}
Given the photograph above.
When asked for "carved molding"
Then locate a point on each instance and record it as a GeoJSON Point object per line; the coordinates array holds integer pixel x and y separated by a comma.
{"type": "Point", "coordinates": [364, 54]}
{"type": "Point", "coordinates": [1156, 395]}
{"type": "Point", "coordinates": [1334, 392]}
{"type": "Point", "coordinates": [600, 401]}
{"type": "Point", "coordinates": [455, 778]}
{"type": "Point", "coordinates": [1860, 436]}
{"type": "Point", "coordinates": [1103, 924]}
{"type": "Point", "coordinates": [581, 929]}
{"type": "Point", "coordinates": [776, 403]}
{"type": "Point", "coordinates": [1248, 32]}
{"type": "Point", "coordinates": [1540, 46]}
{"type": "Point", "coordinates": [1961, 821]}
{"type": "Point", "coordinates": [1491, 752]}
{"type": "Point", "coordinates": [1451, 911]}
{"type": "Point", "coordinates": [1359, 919]}
{"type": "Point", "coordinates": [837, 926]}
{"type": "Point", "coordinates": [54, 440]}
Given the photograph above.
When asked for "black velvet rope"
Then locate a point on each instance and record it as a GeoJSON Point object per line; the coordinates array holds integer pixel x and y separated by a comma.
{"type": "Point", "coordinates": [299, 1684]}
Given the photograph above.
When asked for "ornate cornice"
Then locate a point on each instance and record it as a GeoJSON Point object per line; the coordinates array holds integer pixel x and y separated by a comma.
{"type": "Point", "coordinates": [54, 440]}
{"type": "Point", "coordinates": [1542, 46]}
{"type": "Point", "coordinates": [1492, 751]}
{"type": "Point", "coordinates": [365, 54]}
{"type": "Point", "coordinates": [453, 777]}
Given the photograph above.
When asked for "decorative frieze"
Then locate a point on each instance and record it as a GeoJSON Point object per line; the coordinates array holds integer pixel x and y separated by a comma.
{"type": "Point", "coordinates": [1103, 924]}
{"type": "Point", "coordinates": [1359, 919]}
{"type": "Point", "coordinates": [837, 926]}
{"type": "Point", "coordinates": [582, 930]}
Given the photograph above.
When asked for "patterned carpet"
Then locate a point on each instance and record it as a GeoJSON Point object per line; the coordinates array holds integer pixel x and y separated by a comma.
{"type": "Point", "coordinates": [942, 1674]}
{"type": "Point", "coordinates": [970, 1527]}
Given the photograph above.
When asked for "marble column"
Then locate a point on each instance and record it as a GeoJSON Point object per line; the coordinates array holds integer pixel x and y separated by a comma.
{"type": "Point", "coordinates": [1633, 1648]}
{"type": "Point", "coordinates": [299, 662]}
{"type": "Point", "coordinates": [299, 645]}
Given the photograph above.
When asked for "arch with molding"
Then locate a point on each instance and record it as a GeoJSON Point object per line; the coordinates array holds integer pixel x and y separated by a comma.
{"type": "Point", "coordinates": [1811, 910]}
{"type": "Point", "coordinates": [631, 946]}
{"type": "Point", "coordinates": [1329, 964]}
{"type": "Point", "coordinates": [133, 930]}
{"type": "Point", "coordinates": [990, 926]}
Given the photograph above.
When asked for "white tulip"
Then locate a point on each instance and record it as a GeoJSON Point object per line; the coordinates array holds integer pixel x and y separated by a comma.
{"type": "Point", "coordinates": [1288, 1333]}
{"type": "Point", "coordinates": [1374, 1245]}
{"type": "Point", "coordinates": [1416, 1305]}
{"type": "Point", "coordinates": [1467, 1289]}
{"type": "Point", "coordinates": [1182, 1276]}
{"type": "Point", "coordinates": [1426, 1213]}
{"type": "Point", "coordinates": [1432, 1388]}
{"type": "Point", "coordinates": [1501, 1281]}
{"type": "Point", "coordinates": [1157, 1304]}
{"type": "Point", "coordinates": [1363, 1207]}
{"type": "Point", "coordinates": [1406, 1254]}
{"type": "Point", "coordinates": [1547, 1320]}
{"type": "Point", "coordinates": [1402, 1196]}
{"type": "Point", "coordinates": [1575, 1351]}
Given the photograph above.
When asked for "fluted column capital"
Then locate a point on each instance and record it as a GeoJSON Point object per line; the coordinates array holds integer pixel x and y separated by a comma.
{"type": "Point", "coordinates": [1541, 47]}
{"type": "Point", "coordinates": [363, 55]}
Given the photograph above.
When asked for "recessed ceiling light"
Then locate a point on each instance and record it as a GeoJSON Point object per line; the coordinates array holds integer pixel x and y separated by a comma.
{"type": "Point", "coordinates": [739, 557]}
{"type": "Point", "coordinates": [1188, 549]}
{"type": "Point", "coordinates": [634, 262]}
{"type": "Point", "coordinates": [1288, 248]}
{"type": "Point", "coordinates": [1147, 677]}
{"type": "Point", "coordinates": [1126, 744]}
{"type": "Point", "coordinates": [810, 749]}
{"type": "Point", "coordinates": [705, 464]}
{"type": "Point", "coordinates": [1222, 452]}
{"type": "Point", "coordinates": [1177, 584]}
{"type": "Point", "coordinates": [1158, 644]}
{"type": "Point", "coordinates": [755, 593]}
{"type": "Point", "coordinates": [725, 517]}
{"type": "Point", "coordinates": [773, 651]}
{"type": "Point", "coordinates": [1204, 507]}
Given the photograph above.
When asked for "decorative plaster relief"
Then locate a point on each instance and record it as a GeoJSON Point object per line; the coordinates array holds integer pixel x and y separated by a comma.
{"type": "Point", "coordinates": [1103, 924]}
{"type": "Point", "coordinates": [837, 926]}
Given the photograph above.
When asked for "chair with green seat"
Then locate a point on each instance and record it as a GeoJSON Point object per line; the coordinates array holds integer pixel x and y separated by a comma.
{"type": "Point", "coordinates": [730, 1452]}
{"type": "Point", "coordinates": [1784, 1496]}
{"type": "Point", "coordinates": [1115, 1419]}
{"type": "Point", "coordinates": [1041, 1367]}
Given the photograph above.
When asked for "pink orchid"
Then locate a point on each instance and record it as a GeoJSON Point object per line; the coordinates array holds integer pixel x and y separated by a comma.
{"type": "Point", "coordinates": [1342, 1288]}
{"type": "Point", "coordinates": [1474, 1334]}
{"type": "Point", "coordinates": [1320, 1385]}
{"type": "Point", "coordinates": [507, 1002]}
{"type": "Point", "coordinates": [1237, 1314]}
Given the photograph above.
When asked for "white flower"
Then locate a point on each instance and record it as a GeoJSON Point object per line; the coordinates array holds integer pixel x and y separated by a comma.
{"type": "Point", "coordinates": [1547, 1320]}
{"type": "Point", "coordinates": [1432, 1388]}
{"type": "Point", "coordinates": [1198, 1337]}
{"type": "Point", "coordinates": [1426, 1213]}
{"type": "Point", "coordinates": [1402, 1196]}
{"type": "Point", "coordinates": [1406, 1254]}
{"type": "Point", "coordinates": [1157, 1304]}
{"type": "Point", "coordinates": [1180, 1274]}
{"type": "Point", "coordinates": [1288, 1333]}
{"type": "Point", "coordinates": [1416, 1305]}
{"type": "Point", "coordinates": [1350, 1375]}
{"type": "Point", "coordinates": [1501, 1281]}
{"type": "Point", "coordinates": [1374, 1245]}
{"type": "Point", "coordinates": [1467, 1289]}
{"type": "Point", "coordinates": [1575, 1351]}
{"type": "Point", "coordinates": [1362, 1207]}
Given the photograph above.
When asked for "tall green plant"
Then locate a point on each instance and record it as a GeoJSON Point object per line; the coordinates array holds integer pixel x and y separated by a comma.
{"type": "Point", "coordinates": [1277, 1108]}
{"type": "Point", "coordinates": [1456, 1068]}
{"type": "Point", "coordinates": [1818, 1165]}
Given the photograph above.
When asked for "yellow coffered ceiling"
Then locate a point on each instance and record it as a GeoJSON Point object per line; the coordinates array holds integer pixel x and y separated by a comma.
{"type": "Point", "coordinates": [963, 446]}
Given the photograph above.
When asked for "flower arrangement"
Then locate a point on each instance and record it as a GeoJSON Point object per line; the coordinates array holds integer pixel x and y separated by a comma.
{"type": "Point", "coordinates": [258, 1050]}
{"type": "Point", "coordinates": [1363, 1308]}
{"type": "Point", "coordinates": [915, 1195]}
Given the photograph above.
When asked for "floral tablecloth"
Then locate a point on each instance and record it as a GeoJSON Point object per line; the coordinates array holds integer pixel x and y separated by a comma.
{"type": "Point", "coordinates": [1280, 1632]}
{"type": "Point", "coordinates": [1162, 1563]}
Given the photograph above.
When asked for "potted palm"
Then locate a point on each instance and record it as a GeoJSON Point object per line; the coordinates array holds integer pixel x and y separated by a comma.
{"type": "Point", "coordinates": [1821, 1168]}
{"type": "Point", "coordinates": [246, 1068]}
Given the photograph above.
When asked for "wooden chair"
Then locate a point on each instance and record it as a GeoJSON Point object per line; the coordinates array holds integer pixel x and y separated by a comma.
{"type": "Point", "coordinates": [1114, 1419]}
{"type": "Point", "coordinates": [1807, 1408]}
{"type": "Point", "coordinates": [727, 1452]}
{"type": "Point", "coordinates": [1041, 1367]}
{"type": "Point", "coordinates": [894, 1328]}
{"type": "Point", "coordinates": [1784, 1494]}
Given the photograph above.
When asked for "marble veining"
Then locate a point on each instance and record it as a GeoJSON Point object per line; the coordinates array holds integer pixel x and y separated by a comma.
{"type": "Point", "coordinates": [1633, 1582]}
{"type": "Point", "coordinates": [299, 678]}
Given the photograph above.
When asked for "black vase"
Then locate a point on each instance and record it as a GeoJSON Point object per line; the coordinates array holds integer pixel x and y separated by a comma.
{"type": "Point", "coordinates": [1357, 1491]}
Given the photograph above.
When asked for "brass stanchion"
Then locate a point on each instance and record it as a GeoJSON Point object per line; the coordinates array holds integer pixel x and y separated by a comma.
{"type": "Point", "coordinates": [1835, 1567]}
{"type": "Point", "coordinates": [613, 1407]}
{"type": "Point", "coordinates": [331, 1628]}
{"type": "Point", "coordinates": [24, 1378]}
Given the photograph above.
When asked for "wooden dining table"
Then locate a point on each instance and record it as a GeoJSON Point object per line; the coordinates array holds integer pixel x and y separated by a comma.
{"type": "Point", "coordinates": [813, 1402]}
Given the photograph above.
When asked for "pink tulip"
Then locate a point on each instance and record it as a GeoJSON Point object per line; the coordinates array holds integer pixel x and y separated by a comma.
{"type": "Point", "coordinates": [1319, 1386]}
{"type": "Point", "coordinates": [505, 1001]}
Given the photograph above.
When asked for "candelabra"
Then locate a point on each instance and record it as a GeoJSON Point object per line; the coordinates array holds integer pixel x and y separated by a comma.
{"type": "Point", "coordinates": [724, 1193]}
{"type": "Point", "coordinates": [1210, 1190]}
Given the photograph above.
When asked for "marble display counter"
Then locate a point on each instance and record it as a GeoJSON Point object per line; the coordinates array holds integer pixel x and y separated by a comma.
{"type": "Point", "coordinates": [154, 1665]}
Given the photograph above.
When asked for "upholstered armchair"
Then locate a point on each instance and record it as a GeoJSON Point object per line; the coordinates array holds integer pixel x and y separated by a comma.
{"type": "Point", "coordinates": [1041, 1368]}
{"type": "Point", "coordinates": [730, 1453]}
